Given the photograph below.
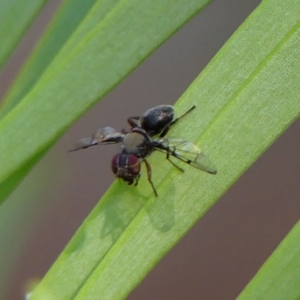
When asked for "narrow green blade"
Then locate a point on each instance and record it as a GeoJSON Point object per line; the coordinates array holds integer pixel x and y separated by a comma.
{"type": "Point", "coordinates": [279, 277]}
{"type": "Point", "coordinates": [69, 17]}
{"type": "Point", "coordinates": [72, 18]}
{"type": "Point", "coordinates": [245, 99]}
{"type": "Point", "coordinates": [81, 75]}
{"type": "Point", "coordinates": [15, 17]}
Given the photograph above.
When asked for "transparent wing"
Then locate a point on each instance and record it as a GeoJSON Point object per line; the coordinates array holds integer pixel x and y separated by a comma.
{"type": "Point", "coordinates": [103, 136]}
{"type": "Point", "coordinates": [187, 152]}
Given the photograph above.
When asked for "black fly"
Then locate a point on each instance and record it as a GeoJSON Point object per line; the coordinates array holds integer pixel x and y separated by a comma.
{"type": "Point", "coordinates": [138, 143]}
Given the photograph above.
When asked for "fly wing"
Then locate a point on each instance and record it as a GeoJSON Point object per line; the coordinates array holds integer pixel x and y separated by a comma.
{"type": "Point", "coordinates": [103, 136]}
{"type": "Point", "coordinates": [189, 153]}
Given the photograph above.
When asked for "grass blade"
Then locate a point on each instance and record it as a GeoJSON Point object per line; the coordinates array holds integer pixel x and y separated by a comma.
{"type": "Point", "coordinates": [70, 16]}
{"type": "Point", "coordinates": [279, 277]}
{"type": "Point", "coordinates": [15, 17]}
{"type": "Point", "coordinates": [73, 83]}
{"type": "Point", "coordinates": [245, 99]}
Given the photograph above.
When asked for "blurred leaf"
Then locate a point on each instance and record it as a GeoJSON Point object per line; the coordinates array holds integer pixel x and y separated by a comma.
{"type": "Point", "coordinates": [8, 185]}
{"type": "Point", "coordinates": [15, 17]}
{"type": "Point", "coordinates": [83, 73]}
{"type": "Point", "coordinates": [69, 17]}
{"type": "Point", "coordinates": [279, 277]}
{"type": "Point", "coordinates": [245, 99]}
{"type": "Point", "coordinates": [18, 220]}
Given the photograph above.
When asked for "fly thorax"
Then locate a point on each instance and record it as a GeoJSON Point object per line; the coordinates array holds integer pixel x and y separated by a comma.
{"type": "Point", "coordinates": [135, 143]}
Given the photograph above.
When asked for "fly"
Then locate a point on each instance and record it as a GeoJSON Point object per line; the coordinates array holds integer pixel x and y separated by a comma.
{"type": "Point", "coordinates": [139, 143]}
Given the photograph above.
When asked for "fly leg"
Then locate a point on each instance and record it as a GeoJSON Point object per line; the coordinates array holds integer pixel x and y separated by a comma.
{"type": "Point", "coordinates": [134, 121]}
{"type": "Point", "coordinates": [149, 173]}
{"type": "Point", "coordinates": [137, 180]}
{"type": "Point", "coordinates": [168, 158]}
{"type": "Point", "coordinates": [165, 131]}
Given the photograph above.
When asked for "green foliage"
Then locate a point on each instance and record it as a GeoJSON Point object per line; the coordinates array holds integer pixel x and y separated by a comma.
{"type": "Point", "coordinates": [95, 58]}
{"type": "Point", "coordinates": [15, 17]}
{"type": "Point", "coordinates": [69, 17]}
{"type": "Point", "coordinates": [279, 276]}
{"type": "Point", "coordinates": [245, 99]}
{"type": "Point", "coordinates": [241, 110]}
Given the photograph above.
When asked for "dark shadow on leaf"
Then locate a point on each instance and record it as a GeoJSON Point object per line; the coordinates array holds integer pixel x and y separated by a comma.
{"type": "Point", "coordinates": [121, 211]}
{"type": "Point", "coordinates": [161, 211]}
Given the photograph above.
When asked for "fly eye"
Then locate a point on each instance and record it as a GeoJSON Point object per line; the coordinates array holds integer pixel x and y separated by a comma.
{"type": "Point", "coordinates": [133, 164]}
{"type": "Point", "coordinates": [115, 163]}
{"type": "Point", "coordinates": [129, 163]}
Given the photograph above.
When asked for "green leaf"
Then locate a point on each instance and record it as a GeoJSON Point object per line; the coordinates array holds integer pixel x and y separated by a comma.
{"type": "Point", "coordinates": [15, 17]}
{"type": "Point", "coordinates": [279, 277]}
{"type": "Point", "coordinates": [70, 16]}
{"type": "Point", "coordinates": [82, 74]}
{"type": "Point", "coordinates": [18, 219]}
{"type": "Point", "coordinates": [245, 99]}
